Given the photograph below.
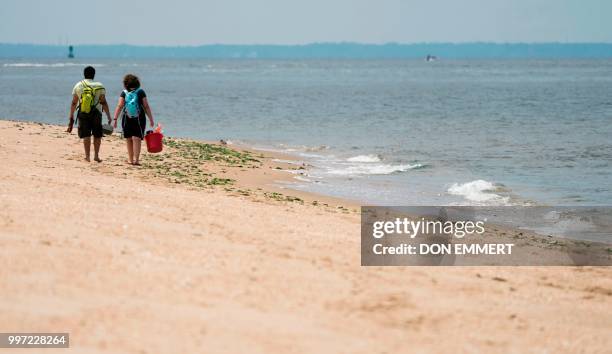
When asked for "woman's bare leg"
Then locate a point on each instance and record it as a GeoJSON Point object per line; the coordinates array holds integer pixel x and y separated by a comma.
{"type": "Point", "coordinates": [130, 149]}
{"type": "Point", "coordinates": [137, 142]}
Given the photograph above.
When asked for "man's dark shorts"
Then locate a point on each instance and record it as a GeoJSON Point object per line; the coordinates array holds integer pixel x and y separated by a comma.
{"type": "Point", "coordinates": [90, 124]}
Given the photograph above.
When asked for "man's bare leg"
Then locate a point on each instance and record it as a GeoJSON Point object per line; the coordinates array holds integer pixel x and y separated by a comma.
{"type": "Point", "coordinates": [137, 142]}
{"type": "Point", "coordinates": [97, 143]}
{"type": "Point", "coordinates": [130, 149]}
{"type": "Point", "coordinates": [87, 146]}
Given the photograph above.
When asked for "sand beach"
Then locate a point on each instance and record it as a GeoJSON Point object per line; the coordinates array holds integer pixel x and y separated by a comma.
{"type": "Point", "coordinates": [201, 250]}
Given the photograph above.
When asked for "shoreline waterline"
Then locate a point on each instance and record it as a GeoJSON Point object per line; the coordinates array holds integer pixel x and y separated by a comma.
{"type": "Point", "coordinates": [489, 131]}
{"type": "Point", "coordinates": [280, 177]}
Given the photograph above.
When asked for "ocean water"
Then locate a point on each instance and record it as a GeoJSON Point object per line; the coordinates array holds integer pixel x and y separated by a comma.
{"type": "Point", "coordinates": [387, 132]}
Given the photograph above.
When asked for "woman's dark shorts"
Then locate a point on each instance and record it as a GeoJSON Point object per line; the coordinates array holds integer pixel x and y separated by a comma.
{"type": "Point", "coordinates": [90, 124]}
{"type": "Point", "coordinates": [133, 126]}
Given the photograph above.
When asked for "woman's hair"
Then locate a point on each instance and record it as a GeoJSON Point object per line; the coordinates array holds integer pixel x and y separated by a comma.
{"type": "Point", "coordinates": [131, 82]}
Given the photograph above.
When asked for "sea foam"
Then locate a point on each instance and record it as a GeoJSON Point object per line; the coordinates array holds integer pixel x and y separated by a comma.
{"type": "Point", "coordinates": [479, 192]}
{"type": "Point", "coordinates": [364, 158]}
{"type": "Point", "coordinates": [372, 169]}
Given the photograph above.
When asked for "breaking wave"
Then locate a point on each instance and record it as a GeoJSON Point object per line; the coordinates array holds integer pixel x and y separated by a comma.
{"type": "Point", "coordinates": [479, 192]}
{"type": "Point", "coordinates": [364, 158]}
{"type": "Point", "coordinates": [372, 169]}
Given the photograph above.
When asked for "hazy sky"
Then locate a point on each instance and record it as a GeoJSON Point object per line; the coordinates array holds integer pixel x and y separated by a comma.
{"type": "Point", "coordinates": [190, 22]}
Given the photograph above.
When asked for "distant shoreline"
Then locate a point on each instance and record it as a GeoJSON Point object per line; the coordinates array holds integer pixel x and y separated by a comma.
{"type": "Point", "coordinates": [318, 51]}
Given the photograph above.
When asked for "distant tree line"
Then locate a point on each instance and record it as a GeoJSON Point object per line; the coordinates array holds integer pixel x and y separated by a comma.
{"type": "Point", "coordinates": [319, 50]}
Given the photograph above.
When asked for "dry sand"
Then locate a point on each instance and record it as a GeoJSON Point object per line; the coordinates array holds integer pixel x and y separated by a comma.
{"type": "Point", "coordinates": [130, 264]}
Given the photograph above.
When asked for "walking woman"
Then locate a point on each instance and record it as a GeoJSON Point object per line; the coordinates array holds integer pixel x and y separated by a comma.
{"type": "Point", "coordinates": [134, 105]}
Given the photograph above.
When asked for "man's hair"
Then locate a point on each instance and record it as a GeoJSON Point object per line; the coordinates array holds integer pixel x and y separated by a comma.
{"type": "Point", "coordinates": [131, 82]}
{"type": "Point", "coordinates": [89, 72]}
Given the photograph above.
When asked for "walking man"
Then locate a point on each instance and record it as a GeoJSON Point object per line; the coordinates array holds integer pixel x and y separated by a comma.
{"type": "Point", "coordinates": [89, 100]}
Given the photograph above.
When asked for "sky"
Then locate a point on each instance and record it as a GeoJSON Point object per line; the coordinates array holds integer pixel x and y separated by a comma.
{"type": "Point", "coordinates": [193, 22]}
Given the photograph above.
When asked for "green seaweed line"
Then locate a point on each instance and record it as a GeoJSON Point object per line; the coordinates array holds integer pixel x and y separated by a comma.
{"type": "Point", "coordinates": [183, 163]}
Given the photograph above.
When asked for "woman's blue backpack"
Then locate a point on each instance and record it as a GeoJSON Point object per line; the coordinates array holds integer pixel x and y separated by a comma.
{"type": "Point", "coordinates": [132, 106]}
